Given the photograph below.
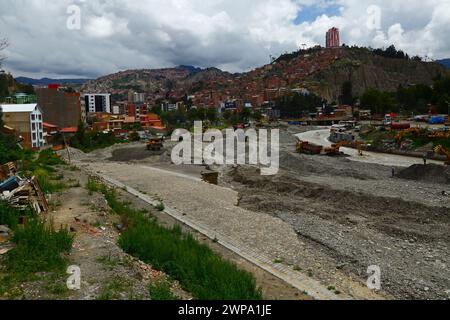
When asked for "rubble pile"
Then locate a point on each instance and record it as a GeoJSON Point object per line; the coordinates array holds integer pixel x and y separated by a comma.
{"type": "Point", "coordinates": [19, 192]}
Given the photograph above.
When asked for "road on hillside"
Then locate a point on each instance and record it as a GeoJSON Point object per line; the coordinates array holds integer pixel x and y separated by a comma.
{"type": "Point", "coordinates": [321, 137]}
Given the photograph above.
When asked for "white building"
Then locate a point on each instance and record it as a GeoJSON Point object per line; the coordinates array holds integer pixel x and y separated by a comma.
{"type": "Point", "coordinates": [27, 121]}
{"type": "Point", "coordinates": [97, 102]}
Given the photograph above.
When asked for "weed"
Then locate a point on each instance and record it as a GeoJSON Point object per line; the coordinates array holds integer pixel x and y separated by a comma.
{"type": "Point", "coordinates": [93, 186]}
{"type": "Point", "coordinates": [160, 291]}
{"type": "Point", "coordinates": [114, 289]}
{"type": "Point", "coordinates": [109, 261]}
{"type": "Point", "coordinates": [160, 206]}
{"type": "Point", "coordinates": [39, 249]}
{"type": "Point", "coordinates": [198, 269]}
{"type": "Point", "coordinates": [278, 261]}
{"type": "Point", "coordinates": [10, 216]}
{"type": "Point", "coordinates": [45, 181]}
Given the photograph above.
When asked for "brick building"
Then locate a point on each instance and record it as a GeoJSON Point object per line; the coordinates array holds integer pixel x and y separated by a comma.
{"type": "Point", "coordinates": [59, 107]}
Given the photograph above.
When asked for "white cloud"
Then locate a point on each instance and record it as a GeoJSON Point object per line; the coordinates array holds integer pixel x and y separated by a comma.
{"type": "Point", "coordinates": [232, 34]}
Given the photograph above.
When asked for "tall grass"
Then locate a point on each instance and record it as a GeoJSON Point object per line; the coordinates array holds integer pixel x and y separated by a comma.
{"type": "Point", "coordinates": [160, 291]}
{"type": "Point", "coordinates": [199, 270]}
{"type": "Point", "coordinates": [46, 183]}
{"type": "Point", "coordinates": [40, 248]}
{"type": "Point", "coordinates": [10, 216]}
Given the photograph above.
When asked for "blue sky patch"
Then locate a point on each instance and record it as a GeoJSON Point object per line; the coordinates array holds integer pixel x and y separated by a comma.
{"type": "Point", "coordinates": [310, 13]}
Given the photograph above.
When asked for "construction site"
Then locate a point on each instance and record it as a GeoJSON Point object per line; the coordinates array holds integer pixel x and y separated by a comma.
{"type": "Point", "coordinates": [334, 209]}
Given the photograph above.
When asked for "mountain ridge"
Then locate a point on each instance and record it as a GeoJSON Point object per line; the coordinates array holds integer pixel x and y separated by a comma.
{"type": "Point", "coordinates": [444, 62]}
{"type": "Point", "coordinates": [319, 70]}
{"type": "Point", "coordinates": [47, 81]}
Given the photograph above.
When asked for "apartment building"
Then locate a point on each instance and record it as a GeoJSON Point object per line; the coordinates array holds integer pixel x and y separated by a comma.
{"type": "Point", "coordinates": [97, 102]}
{"type": "Point", "coordinates": [27, 121]}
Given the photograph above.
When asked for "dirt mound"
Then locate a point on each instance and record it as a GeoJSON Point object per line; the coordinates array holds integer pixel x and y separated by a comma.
{"type": "Point", "coordinates": [430, 173]}
{"type": "Point", "coordinates": [133, 154]}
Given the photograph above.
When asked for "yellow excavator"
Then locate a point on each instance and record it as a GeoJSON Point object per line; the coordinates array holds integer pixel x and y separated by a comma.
{"type": "Point", "coordinates": [443, 151]}
{"type": "Point", "coordinates": [416, 131]}
{"type": "Point", "coordinates": [335, 149]}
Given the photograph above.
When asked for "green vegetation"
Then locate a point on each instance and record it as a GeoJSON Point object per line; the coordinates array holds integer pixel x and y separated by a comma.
{"type": "Point", "coordinates": [89, 141]}
{"type": "Point", "coordinates": [410, 99]}
{"type": "Point", "coordinates": [39, 248]}
{"type": "Point", "coordinates": [185, 119]}
{"type": "Point", "coordinates": [298, 105]}
{"type": "Point", "coordinates": [114, 289]}
{"type": "Point", "coordinates": [160, 291]}
{"type": "Point", "coordinates": [379, 102]}
{"type": "Point", "coordinates": [10, 216]}
{"type": "Point", "coordinates": [198, 269]}
{"type": "Point", "coordinates": [93, 186]}
{"type": "Point", "coordinates": [160, 206]}
{"type": "Point", "coordinates": [377, 138]}
{"type": "Point", "coordinates": [9, 86]}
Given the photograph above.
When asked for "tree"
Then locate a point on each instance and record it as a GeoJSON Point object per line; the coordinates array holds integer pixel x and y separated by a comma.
{"type": "Point", "coordinates": [347, 93]}
{"type": "Point", "coordinates": [227, 115]}
{"type": "Point", "coordinates": [211, 115]}
{"type": "Point", "coordinates": [245, 114]}
{"type": "Point", "coordinates": [378, 102]}
{"type": "Point", "coordinates": [256, 115]}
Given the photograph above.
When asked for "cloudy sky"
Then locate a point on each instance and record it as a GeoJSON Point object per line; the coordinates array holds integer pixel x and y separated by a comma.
{"type": "Point", "coordinates": [48, 38]}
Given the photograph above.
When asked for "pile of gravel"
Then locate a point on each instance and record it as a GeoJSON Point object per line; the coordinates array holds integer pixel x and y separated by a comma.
{"type": "Point", "coordinates": [430, 173]}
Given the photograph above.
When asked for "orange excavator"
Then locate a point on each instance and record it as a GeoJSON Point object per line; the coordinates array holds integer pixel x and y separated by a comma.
{"type": "Point", "coordinates": [335, 149]}
{"type": "Point", "coordinates": [443, 151]}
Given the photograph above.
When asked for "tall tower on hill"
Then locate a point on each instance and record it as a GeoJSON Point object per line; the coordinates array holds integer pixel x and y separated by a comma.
{"type": "Point", "coordinates": [333, 38]}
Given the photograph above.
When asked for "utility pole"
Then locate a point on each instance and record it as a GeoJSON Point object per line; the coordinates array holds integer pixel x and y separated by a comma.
{"type": "Point", "coordinates": [67, 147]}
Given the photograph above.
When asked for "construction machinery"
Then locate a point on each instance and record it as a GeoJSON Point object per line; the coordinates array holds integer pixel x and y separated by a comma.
{"type": "Point", "coordinates": [308, 148]}
{"type": "Point", "coordinates": [416, 131]}
{"type": "Point", "coordinates": [155, 144]}
{"type": "Point", "coordinates": [439, 135]}
{"type": "Point", "coordinates": [335, 149]}
{"type": "Point", "coordinates": [443, 151]}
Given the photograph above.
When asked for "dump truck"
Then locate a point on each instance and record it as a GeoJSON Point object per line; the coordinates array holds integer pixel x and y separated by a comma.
{"type": "Point", "coordinates": [308, 148]}
{"type": "Point", "coordinates": [155, 144]}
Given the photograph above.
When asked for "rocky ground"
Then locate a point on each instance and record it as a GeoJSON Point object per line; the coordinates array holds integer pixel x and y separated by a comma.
{"type": "Point", "coordinates": [352, 215]}
{"type": "Point", "coordinates": [328, 218]}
